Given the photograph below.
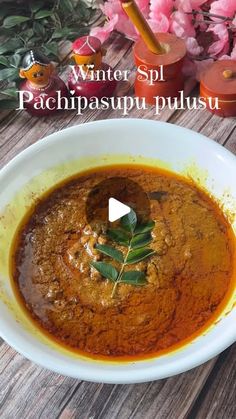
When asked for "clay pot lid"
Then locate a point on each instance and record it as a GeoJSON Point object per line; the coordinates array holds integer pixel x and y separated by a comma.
{"type": "Point", "coordinates": [86, 45]}
{"type": "Point", "coordinates": [175, 50]}
{"type": "Point", "coordinates": [219, 80]}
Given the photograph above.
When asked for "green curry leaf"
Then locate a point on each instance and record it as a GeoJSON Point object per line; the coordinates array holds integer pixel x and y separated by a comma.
{"type": "Point", "coordinates": [110, 251]}
{"type": "Point", "coordinates": [137, 255]}
{"type": "Point", "coordinates": [134, 238]}
{"type": "Point", "coordinates": [119, 236]}
{"type": "Point", "coordinates": [129, 221]}
{"type": "Point", "coordinates": [140, 240]}
{"type": "Point", "coordinates": [144, 228]}
{"type": "Point", "coordinates": [106, 270]}
{"type": "Point", "coordinates": [133, 278]}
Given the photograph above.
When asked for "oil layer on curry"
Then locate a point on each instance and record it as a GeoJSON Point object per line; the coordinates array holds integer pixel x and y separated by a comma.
{"type": "Point", "coordinates": [189, 278]}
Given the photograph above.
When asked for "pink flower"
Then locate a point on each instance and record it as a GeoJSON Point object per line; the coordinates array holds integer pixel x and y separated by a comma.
{"type": "Point", "coordinates": [188, 5]}
{"type": "Point", "coordinates": [124, 25]}
{"type": "Point", "coordinates": [158, 7]}
{"type": "Point", "coordinates": [192, 46]}
{"type": "Point", "coordinates": [160, 11]}
{"type": "Point", "coordinates": [223, 8]}
{"type": "Point", "coordinates": [232, 56]}
{"type": "Point", "coordinates": [143, 6]}
{"type": "Point", "coordinates": [233, 53]}
{"type": "Point", "coordinates": [200, 24]}
{"type": "Point", "coordinates": [181, 25]}
{"type": "Point", "coordinates": [109, 8]}
{"type": "Point", "coordinates": [160, 23]}
{"type": "Point", "coordinates": [221, 45]}
{"type": "Point", "coordinates": [118, 19]}
{"type": "Point", "coordinates": [103, 32]}
{"type": "Point", "coordinates": [114, 6]}
{"type": "Point", "coordinates": [176, 16]}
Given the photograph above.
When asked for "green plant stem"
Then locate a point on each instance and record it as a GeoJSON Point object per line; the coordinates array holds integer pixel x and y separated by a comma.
{"type": "Point", "coordinates": [121, 270]}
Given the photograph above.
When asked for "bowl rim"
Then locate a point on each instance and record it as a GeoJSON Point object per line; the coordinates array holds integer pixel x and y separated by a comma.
{"type": "Point", "coordinates": [53, 137]}
{"type": "Point", "coordinates": [147, 372]}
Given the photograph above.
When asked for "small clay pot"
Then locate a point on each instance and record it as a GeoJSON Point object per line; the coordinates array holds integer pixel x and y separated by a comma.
{"type": "Point", "coordinates": [171, 62]}
{"type": "Point", "coordinates": [219, 82]}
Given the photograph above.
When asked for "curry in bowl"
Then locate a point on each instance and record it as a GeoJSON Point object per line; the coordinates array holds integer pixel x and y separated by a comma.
{"type": "Point", "coordinates": [141, 287]}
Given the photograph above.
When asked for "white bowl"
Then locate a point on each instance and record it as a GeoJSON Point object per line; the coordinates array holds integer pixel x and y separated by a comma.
{"type": "Point", "coordinates": [90, 145]}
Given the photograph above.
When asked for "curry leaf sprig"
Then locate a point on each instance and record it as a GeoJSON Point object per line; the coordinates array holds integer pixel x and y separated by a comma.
{"type": "Point", "coordinates": [135, 238]}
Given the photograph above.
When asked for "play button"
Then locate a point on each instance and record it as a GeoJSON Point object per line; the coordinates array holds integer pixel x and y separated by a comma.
{"type": "Point", "coordinates": [116, 210]}
{"type": "Point", "coordinates": [112, 198]}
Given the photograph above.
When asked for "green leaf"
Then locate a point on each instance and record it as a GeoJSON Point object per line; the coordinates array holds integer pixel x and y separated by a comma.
{"type": "Point", "coordinates": [8, 104]}
{"type": "Point", "coordinates": [138, 255]}
{"type": "Point", "coordinates": [110, 251]}
{"type": "Point", "coordinates": [11, 21]}
{"type": "Point", "coordinates": [9, 74]}
{"type": "Point", "coordinates": [51, 49]}
{"type": "Point", "coordinates": [129, 221]}
{"type": "Point", "coordinates": [66, 6]}
{"type": "Point", "coordinates": [22, 50]}
{"type": "Point", "coordinates": [144, 228]}
{"type": "Point", "coordinates": [83, 12]}
{"type": "Point", "coordinates": [10, 45]}
{"type": "Point", "coordinates": [43, 13]}
{"type": "Point", "coordinates": [141, 240]}
{"type": "Point", "coordinates": [27, 34]}
{"type": "Point", "coordinates": [119, 236]}
{"type": "Point", "coordinates": [36, 5]}
{"type": "Point", "coordinates": [79, 32]}
{"type": "Point", "coordinates": [4, 61]}
{"type": "Point", "coordinates": [106, 270]}
{"type": "Point", "coordinates": [11, 93]}
{"type": "Point", "coordinates": [133, 278]}
{"type": "Point", "coordinates": [15, 60]}
{"type": "Point", "coordinates": [6, 33]}
{"type": "Point", "coordinates": [61, 33]}
{"type": "Point", "coordinates": [39, 29]}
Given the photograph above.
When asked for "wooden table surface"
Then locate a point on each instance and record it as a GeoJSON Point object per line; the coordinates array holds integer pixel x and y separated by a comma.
{"type": "Point", "coordinates": [28, 391]}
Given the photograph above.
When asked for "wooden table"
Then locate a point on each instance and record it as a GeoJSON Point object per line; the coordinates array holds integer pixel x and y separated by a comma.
{"type": "Point", "coordinates": [28, 391]}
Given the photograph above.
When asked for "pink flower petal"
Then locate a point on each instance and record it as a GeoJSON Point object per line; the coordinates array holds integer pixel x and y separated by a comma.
{"type": "Point", "coordinates": [232, 56]}
{"type": "Point", "coordinates": [143, 6]}
{"type": "Point", "coordinates": [158, 7]}
{"type": "Point", "coordinates": [233, 52]}
{"type": "Point", "coordinates": [160, 23]}
{"type": "Point", "coordinates": [124, 25]}
{"type": "Point", "coordinates": [192, 46]}
{"type": "Point", "coordinates": [181, 25]}
{"type": "Point", "coordinates": [223, 8]}
{"type": "Point", "coordinates": [103, 32]}
{"type": "Point", "coordinates": [221, 45]}
{"type": "Point", "coordinates": [109, 8]}
{"type": "Point", "coordinates": [188, 5]}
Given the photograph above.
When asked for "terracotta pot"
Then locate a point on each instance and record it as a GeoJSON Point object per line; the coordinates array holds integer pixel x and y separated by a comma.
{"type": "Point", "coordinates": [218, 84]}
{"type": "Point", "coordinates": [169, 64]}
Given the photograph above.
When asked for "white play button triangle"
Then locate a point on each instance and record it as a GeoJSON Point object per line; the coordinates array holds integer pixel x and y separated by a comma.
{"type": "Point", "coordinates": [117, 210]}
